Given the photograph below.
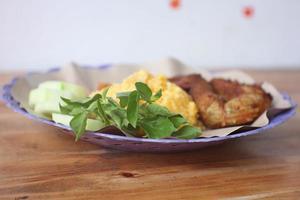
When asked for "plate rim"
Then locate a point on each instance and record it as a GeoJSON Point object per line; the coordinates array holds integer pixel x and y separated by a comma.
{"type": "Point", "coordinates": [15, 106]}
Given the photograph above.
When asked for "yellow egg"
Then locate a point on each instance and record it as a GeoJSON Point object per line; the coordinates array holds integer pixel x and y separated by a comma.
{"type": "Point", "coordinates": [173, 97]}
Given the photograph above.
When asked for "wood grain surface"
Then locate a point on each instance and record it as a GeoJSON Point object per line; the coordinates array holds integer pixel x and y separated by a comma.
{"type": "Point", "coordinates": [39, 162]}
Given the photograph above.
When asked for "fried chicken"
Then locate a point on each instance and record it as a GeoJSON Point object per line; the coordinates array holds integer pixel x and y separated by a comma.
{"type": "Point", "coordinates": [224, 103]}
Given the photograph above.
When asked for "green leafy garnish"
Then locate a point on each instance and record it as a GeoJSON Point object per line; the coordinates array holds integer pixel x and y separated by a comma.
{"type": "Point", "coordinates": [78, 124]}
{"type": "Point", "coordinates": [187, 132]}
{"type": "Point", "coordinates": [156, 96]}
{"type": "Point", "coordinates": [144, 91]}
{"type": "Point", "coordinates": [133, 108]}
{"type": "Point", "coordinates": [178, 120]}
{"type": "Point", "coordinates": [159, 127]}
{"type": "Point", "coordinates": [135, 114]}
{"type": "Point", "coordinates": [123, 97]}
{"type": "Point", "coordinates": [155, 109]}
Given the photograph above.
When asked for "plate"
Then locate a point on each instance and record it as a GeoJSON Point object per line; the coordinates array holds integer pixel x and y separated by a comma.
{"type": "Point", "coordinates": [142, 144]}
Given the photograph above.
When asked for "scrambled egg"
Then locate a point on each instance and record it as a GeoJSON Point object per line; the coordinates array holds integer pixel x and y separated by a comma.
{"type": "Point", "coordinates": [173, 97]}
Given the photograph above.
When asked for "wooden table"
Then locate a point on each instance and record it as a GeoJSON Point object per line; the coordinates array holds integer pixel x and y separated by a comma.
{"type": "Point", "coordinates": [39, 162]}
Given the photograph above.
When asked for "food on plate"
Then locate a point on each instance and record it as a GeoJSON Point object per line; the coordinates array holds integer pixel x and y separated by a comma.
{"type": "Point", "coordinates": [224, 103]}
{"type": "Point", "coordinates": [132, 107]}
{"type": "Point", "coordinates": [134, 112]}
{"type": "Point", "coordinates": [46, 97]}
{"type": "Point", "coordinates": [148, 106]}
{"type": "Point", "coordinates": [173, 97]}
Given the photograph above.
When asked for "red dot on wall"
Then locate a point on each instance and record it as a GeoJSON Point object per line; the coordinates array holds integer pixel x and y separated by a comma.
{"type": "Point", "coordinates": [175, 4]}
{"type": "Point", "coordinates": [248, 11]}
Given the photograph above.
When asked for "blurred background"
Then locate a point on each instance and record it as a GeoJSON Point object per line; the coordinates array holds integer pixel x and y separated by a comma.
{"type": "Point", "coordinates": [38, 34]}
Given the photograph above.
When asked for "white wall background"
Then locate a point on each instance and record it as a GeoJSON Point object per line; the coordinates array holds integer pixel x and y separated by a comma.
{"type": "Point", "coordinates": [207, 33]}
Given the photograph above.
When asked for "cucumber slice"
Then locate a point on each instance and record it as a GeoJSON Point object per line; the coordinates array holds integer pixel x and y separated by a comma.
{"type": "Point", "coordinates": [46, 98]}
{"type": "Point", "coordinates": [76, 90]}
{"type": "Point", "coordinates": [34, 97]}
{"type": "Point", "coordinates": [47, 95]}
{"type": "Point", "coordinates": [55, 85]}
{"type": "Point", "coordinates": [46, 107]}
{"type": "Point", "coordinates": [92, 124]}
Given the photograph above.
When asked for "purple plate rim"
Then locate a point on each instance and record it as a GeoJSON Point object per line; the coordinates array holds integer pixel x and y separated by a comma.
{"type": "Point", "coordinates": [15, 106]}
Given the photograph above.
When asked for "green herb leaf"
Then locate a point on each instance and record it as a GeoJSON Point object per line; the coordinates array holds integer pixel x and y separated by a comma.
{"type": "Point", "coordinates": [71, 103]}
{"type": "Point", "coordinates": [178, 120]}
{"type": "Point", "coordinates": [144, 91]}
{"type": "Point", "coordinates": [93, 106]}
{"type": "Point", "coordinates": [112, 102]}
{"type": "Point", "coordinates": [187, 132]}
{"type": "Point", "coordinates": [119, 116]}
{"type": "Point", "coordinates": [100, 112]}
{"type": "Point", "coordinates": [65, 109]}
{"type": "Point", "coordinates": [70, 109]}
{"type": "Point", "coordinates": [123, 97]}
{"type": "Point", "coordinates": [108, 107]}
{"type": "Point", "coordinates": [159, 127]}
{"type": "Point", "coordinates": [76, 111]}
{"type": "Point", "coordinates": [104, 93]}
{"type": "Point", "coordinates": [83, 102]}
{"type": "Point", "coordinates": [156, 109]}
{"type": "Point", "coordinates": [156, 96]}
{"type": "Point", "coordinates": [89, 101]}
{"type": "Point", "coordinates": [78, 124]}
{"type": "Point", "coordinates": [133, 108]}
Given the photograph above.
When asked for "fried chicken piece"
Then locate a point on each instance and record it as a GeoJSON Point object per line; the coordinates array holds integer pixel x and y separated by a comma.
{"type": "Point", "coordinates": [223, 103]}
{"type": "Point", "coordinates": [185, 82]}
{"type": "Point", "coordinates": [244, 103]}
{"type": "Point", "coordinates": [211, 107]}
